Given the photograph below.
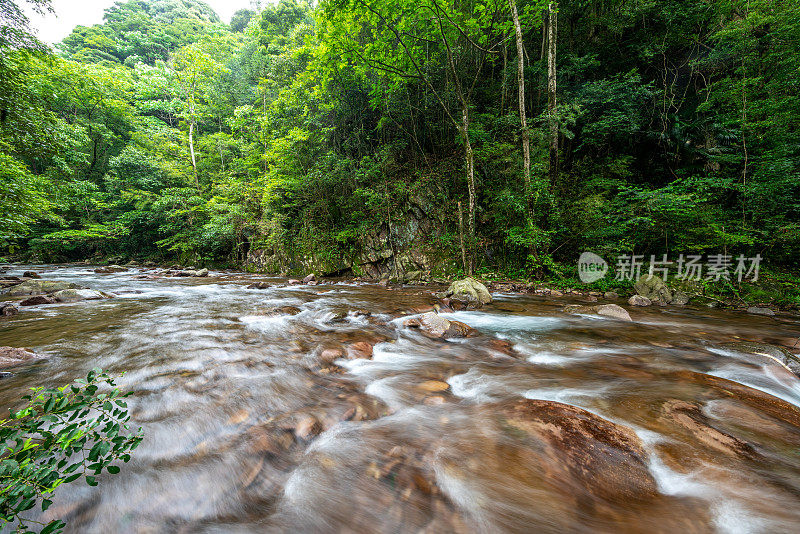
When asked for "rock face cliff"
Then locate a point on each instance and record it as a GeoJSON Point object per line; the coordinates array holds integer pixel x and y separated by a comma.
{"type": "Point", "coordinates": [402, 250]}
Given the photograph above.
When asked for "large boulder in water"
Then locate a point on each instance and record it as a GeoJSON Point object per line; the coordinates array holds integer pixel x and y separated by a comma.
{"type": "Point", "coordinates": [469, 291]}
{"type": "Point", "coordinates": [652, 287]}
{"type": "Point", "coordinates": [435, 326]}
{"type": "Point", "coordinates": [76, 295]}
{"type": "Point", "coordinates": [782, 355]}
{"type": "Point", "coordinates": [40, 287]}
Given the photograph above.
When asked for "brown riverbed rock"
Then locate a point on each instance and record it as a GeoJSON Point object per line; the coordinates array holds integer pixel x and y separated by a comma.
{"type": "Point", "coordinates": [307, 428]}
{"type": "Point", "coordinates": [690, 417]}
{"type": "Point", "coordinates": [579, 448]}
{"type": "Point", "coordinates": [30, 274]}
{"type": "Point", "coordinates": [37, 300]}
{"type": "Point", "coordinates": [360, 349]}
{"type": "Point", "coordinates": [329, 355]}
{"type": "Point", "coordinates": [10, 356]}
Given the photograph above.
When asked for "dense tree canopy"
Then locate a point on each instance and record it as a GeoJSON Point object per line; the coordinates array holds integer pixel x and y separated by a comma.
{"type": "Point", "coordinates": [301, 131]}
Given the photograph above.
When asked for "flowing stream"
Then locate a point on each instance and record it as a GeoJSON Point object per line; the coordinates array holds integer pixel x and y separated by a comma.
{"type": "Point", "coordinates": [314, 409]}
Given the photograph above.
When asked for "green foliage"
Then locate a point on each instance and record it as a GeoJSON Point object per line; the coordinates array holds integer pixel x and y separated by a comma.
{"type": "Point", "coordinates": [61, 435]}
{"type": "Point", "coordinates": [306, 130]}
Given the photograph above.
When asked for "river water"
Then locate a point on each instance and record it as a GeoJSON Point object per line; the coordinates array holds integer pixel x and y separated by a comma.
{"type": "Point", "coordinates": [263, 411]}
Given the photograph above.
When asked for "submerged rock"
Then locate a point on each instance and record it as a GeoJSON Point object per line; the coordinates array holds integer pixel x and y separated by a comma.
{"type": "Point", "coordinates": [76, 295]}
{"type": "Point", "coordinates": [780, 354]}
{"type": "Point", "coordinates": [10, 356]}
{"type": "Point", "coordinates": [579, 448]}
{"type": "Point", "coordinates": [470, 291]}
{"type": "Point", "coordinates": [40, 287]}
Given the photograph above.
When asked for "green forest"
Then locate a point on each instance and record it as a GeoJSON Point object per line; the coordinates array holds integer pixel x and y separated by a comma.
{"type": "Point", "coordinates": [385, 137]}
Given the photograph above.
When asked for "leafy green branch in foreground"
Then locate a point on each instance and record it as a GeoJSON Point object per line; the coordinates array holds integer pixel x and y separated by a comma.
{"type": "Point", "coordinates": [61, 435]}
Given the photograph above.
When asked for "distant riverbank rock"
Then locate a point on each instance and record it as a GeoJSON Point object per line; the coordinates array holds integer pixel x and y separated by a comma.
{"type": "Point", "coordinates": [435, 326]}
{"type": "Point", "coordinates": [10, 356]}
{"type": "Point", "coordinates": [780, 354]}
{"type": "Point", "coordinates": [653, 288]}
{"type": "Point", "coordinates": [110, 269]}
{"type": "Point", "coordinates": [309, 278]}
{"type": "Point", "coordinates": [606, 310]}
{"type": "Point", "coordinates": [639, 300]}
{"type": "Point", "coordinates": [76, 295]}
{"type": "Point", "coordinates": [760, 311]}
{"type": "Point", "coordinates": [40, 287]}
{"type": "Point", "coordinates": [201, 273]}
{"type": "Point", "coordinates": [259, 285]}
{"type": "Point", "coordinates": [469, 291]}
{"type": "Point", "coordinates": [7, 309]}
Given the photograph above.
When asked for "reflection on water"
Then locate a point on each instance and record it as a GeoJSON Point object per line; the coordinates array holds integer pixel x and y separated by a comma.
{"type": "Point", "coordinates": [313, 409]}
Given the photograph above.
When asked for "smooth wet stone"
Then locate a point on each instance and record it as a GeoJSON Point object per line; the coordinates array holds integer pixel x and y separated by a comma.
{"type": "Point", "coordinates": [639, 300]}
{"type": "Point", "coordinates": [360, 349]}
{"type": "Point", "coordinates": [77, 295]}
{"type": "Point", "coordinates": [40, 287]}
{"type": "Point", "coordinates": [309, 278]}
{"type": "Point", "coordinates": [307, 428]}
{"type": "Point", "coordinates": [606, 310]}
{"type": "Point", "coordinates": [610, 295]}
{"type": "Point", "coordinates": [11, 356]}
{"type": "Point", "coordinates": [330, 355]}
{"type": "Point", "coordinates": [435, 326]}
{"type": "Point", "coordinates": [432, 386]}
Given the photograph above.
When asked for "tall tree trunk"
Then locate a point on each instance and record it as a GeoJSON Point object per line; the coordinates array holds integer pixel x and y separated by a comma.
{"type": "Point", "coordinates": [191, 153]}
{"type": "Point", "coordinates": [526, 136]}
{"type": "Point", "coordinates": [552, 21]}
{"type": "Point", "coordinates": [470, 164]}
